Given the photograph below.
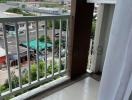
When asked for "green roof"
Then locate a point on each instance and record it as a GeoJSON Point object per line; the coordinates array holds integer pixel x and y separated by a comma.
{"type": "Point", "coordinates": [33, 44]}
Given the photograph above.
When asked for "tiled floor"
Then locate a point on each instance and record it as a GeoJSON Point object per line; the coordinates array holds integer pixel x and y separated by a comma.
{"type": "Point", "coordinates": [85, 89]}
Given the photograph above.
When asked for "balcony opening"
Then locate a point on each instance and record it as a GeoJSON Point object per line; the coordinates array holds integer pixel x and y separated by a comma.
{"type": "Point", "coordinates": [37, 47]}
{"type": "Point", "coordinates": [92, 36]}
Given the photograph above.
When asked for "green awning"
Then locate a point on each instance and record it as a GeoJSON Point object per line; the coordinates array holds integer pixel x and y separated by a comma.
{"type": "Point", "coordinates": [33, 45]}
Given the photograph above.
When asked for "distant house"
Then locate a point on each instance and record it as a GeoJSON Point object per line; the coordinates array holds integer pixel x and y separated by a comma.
{"type": "Point", "coordinates": [10, 27]}
{"type": "Point", "coordinates": [13, 58]}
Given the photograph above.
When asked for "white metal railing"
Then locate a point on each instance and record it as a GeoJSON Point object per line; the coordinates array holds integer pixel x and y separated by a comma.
{"type": "Point", "coordinates": [46, 77]}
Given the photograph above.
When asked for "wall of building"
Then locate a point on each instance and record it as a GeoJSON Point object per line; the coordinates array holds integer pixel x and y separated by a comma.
{"type": "Point", "coordinates": [105, 16]}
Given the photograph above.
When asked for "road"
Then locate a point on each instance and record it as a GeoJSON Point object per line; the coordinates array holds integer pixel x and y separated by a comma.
{"type": "Point", "coordinates": [22, 38]}
{"type": "Point", "coordinates": [4, 7]}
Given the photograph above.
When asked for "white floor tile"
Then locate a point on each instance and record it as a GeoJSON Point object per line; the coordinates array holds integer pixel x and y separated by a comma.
{"type": "Point", "coordinates": [85, 89]}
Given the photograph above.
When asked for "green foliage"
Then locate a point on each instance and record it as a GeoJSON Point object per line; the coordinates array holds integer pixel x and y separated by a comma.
{"type": "Point", "coordinates": [8, 97]}
{"type": "Point", "coordinates": [50, 68]}
{"type": "Point", "coordinates": [64, 23]}
{"type": "Point", "coordinates": [65, 11]}
{"type": "Point", "coordinates": [6, 85]}
{"type": "Point", "coordinates": [33, 72]}
{"type": "Point", "coordinates": [19, 11]}
{"type": "Point", "coordinates": [2, 1]}
{"type": "Point", "coordinates": [25, 79]}
{"type": "Point", "coordinates": [57, 24]}
{"type": "Point", "coordinates": [15, 79]}
{"type": "Point", "coordinates": [93, 26]}
{"type": "Point", "coordinates": [15, 10]}
{"type": "Point", "coordinates": [57, 43]}
{"type": "Point", "coordinates": [42, 39]}
{"type": "Point", "coordinates": [41, 68]}
{"type": "Point", "coordinates": [15, 83]}
{"type": "Point", "coordinates": [2, 88]}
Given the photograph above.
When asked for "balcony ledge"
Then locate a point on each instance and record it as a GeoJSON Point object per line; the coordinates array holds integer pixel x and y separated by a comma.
{"type": "Point", "coordinates": [41, 89]}
{"type": "Point", "coordinates": [102, 1]}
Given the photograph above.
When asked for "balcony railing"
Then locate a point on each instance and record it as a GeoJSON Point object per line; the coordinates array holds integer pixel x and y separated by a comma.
{"type": "Point", "coordinates": [53, 54]}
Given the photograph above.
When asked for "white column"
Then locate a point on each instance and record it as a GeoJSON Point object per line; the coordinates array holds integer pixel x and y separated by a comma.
{"type": "Point", "coordinates": [118, 63]}
{"type": "Point", "coordinates": [103, 25]}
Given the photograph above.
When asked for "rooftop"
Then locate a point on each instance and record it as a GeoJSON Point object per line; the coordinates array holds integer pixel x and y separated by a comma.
{"type": "Point", "coordinates": [33, 45]}
{"type": "Point", "coordinates": [12, 49]}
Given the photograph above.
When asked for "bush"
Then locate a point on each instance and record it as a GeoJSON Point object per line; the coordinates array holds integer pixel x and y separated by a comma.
{"type": "Point", "coordinates": [15, 10]}
{"type": "Point", "coordinates": [93, 28]}
{"type": "Point", "coordinates": [18, 11]}
{"type": "Point", "coordinates": [42, 39]}
{"type": "Point", "coordinates": [2, 88]}
{"type": "Point", "coordinates": [33, 72]}
{"type": "Point", "coordinates": [41, 68]}
{"type": "Point", "coordinates": [15, 79]}
{"type": "Point", "coordinates": [57, 24]}
{"type": "Point", "coordinates": [2, 1]}
{"type": "Point", "coordinates": [50, 68]}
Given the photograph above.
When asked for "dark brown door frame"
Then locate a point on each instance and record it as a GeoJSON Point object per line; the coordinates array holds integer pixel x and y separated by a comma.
{"type": "Point", "coordinates": [79, 37]}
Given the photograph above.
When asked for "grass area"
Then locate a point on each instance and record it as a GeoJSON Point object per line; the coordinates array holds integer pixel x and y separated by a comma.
{"type": "Point", "coordinates": [19, 11]}
{"type": "Point", "coordinates": [2, 1]}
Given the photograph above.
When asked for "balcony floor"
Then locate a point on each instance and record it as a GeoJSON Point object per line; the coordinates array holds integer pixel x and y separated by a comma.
{"type": "Point", "coordinates": [85, 89]}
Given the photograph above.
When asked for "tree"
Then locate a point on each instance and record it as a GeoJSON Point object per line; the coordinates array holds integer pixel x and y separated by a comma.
{"type": "Point", "coordinates": [19, 11]}
{"type": "Point", "coordinates": [57, 43]}
{"type": "Point", "coordinates": [50, 68]}
{"type": "Point", "coordinates": [15, 80]}
{"type": "Point", "coordinates": [2, 88]}
{"type": "Point", "coordinates": [2, 1]}
{"type": "Point", "coordinates": [15, 10]}
{"type": "Point", "coordinates": [33, 72]}
{"type": "Point", "coordinates": [41, 68]}
{"type": "Point", "coordinates": [57, 24]}
{"type": "Point", "coordinates": [42, 39]}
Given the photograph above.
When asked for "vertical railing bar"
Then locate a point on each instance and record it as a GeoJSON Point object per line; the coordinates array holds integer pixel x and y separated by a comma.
{"type": "Point", "coordinates": [53, 40]}
{"type": "Point", "coordinates": [7, 58]}
{"type": "Point", "coordinates": [60, 33]}
{"type": "Point", "coordinates": [28, 52]}
{"type": "Point", "coordinates": [18, 55]}
{"type": "Point", "coordinates": [37, 50]}
{"type": "Point", "coordinates": [45, 48]}
{"type": "Point", "coordinates": [66, 43]}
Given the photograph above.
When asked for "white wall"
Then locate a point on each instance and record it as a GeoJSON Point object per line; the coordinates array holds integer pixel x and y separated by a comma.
{"type": "Point", "coordinates": [103, 26]}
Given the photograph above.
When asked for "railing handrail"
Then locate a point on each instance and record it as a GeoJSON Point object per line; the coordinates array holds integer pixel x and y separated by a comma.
{"type": "Point", "coordinates": [47, 76]}
{"type": "Point", "coordinates": [33, 18]}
